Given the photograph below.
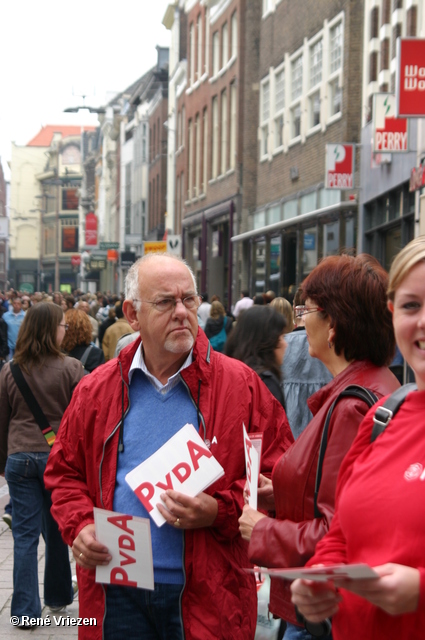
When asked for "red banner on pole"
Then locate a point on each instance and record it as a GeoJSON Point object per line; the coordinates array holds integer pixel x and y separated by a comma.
{"type": "Point", "coordinates": [91, 229]}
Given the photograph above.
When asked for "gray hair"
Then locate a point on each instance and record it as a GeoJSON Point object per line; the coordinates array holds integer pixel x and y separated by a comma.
{"type": "Point", "coordinates": [131, 285]}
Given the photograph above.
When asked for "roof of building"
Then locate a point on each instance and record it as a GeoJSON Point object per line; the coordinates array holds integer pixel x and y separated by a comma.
{"type": "Point", "coordinates": [45, 136]}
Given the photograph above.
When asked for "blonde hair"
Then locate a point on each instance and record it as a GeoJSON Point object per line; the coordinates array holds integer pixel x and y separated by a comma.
{"type": "Point", "coordinates": [403, 263]}
{"type": "Point", "coordinates": [217, 310]}
{"type": "Point", "coordinates": [285, 308]}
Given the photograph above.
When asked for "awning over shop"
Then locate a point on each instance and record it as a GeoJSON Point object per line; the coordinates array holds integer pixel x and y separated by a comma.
{"type": "Point", "coordinates": [349, 205]}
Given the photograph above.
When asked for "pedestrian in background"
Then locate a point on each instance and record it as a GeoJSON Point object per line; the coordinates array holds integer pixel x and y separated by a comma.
{"type": "Point", "coordinates": [302, 375]}
{"type": "Point", "coordinates": [218, 326]}
{"type": "Point", "coordinates": [284, 307]}
{"type": "Point", "coordinates": [13, 318]}
{"type": "Point", "coordinates": [24, 450]}
{"type": "Point", "coordinates": [258, 341]}
{"type": "Point", "coordinates": [77, 342]}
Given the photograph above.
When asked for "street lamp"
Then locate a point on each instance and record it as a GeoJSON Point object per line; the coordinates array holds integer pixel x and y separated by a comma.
{"type": "Point", "coordinates": [100, 110]}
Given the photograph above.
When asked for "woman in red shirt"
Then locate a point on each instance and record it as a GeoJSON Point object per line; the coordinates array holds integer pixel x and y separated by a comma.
{"type": "Point", "coordinates": [380, 518]}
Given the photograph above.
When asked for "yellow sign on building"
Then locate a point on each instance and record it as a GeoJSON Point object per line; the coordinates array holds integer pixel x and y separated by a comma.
{"type": "Point", "coordinates": [158, 246]}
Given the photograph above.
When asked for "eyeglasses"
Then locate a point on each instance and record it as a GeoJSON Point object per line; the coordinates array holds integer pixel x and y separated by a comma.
{"type": "Point", "coordinates": [302, 310]}
{"type": "Point", "coordinates": [168, 304]}
{"type": "Point", "coordinates": [64, 325]}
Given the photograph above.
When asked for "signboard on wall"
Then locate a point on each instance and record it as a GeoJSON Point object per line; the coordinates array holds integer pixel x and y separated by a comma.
{"type": "Point", "coordinates": [339, 166]}
{"type": "Point", "coordinates": [174, 244]}
{"type": "Point", "coordinates": [158, 246]}
{"type": "Point", "coordinates": [417, 178]}
{"type": "Point", "coordinates": [410, 77]}
{"type": "Point", "coordinates": [390, 134]}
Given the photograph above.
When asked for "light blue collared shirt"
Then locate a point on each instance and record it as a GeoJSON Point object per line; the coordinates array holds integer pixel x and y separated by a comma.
{"type": "Point", "coordinates": [139, 363]}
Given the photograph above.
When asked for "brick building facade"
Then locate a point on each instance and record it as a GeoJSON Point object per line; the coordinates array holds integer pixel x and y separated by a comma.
{"type": "Point", "coordinates": [309, 96]}
{"type": "Point", "coordinates": [216, 131]}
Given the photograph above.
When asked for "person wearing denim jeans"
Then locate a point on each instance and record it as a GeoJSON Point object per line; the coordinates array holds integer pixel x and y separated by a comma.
{"type": "Point", "coordinates": [24, 450]}
{"type": "Point", "coordinates": [31, 515]}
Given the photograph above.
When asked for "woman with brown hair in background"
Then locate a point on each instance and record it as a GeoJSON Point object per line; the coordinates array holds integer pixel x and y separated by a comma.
{"type": "Point", "coordinates": [44, 373]}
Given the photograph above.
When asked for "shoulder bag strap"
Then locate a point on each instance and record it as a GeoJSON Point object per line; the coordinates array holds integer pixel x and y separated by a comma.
{"type": "Point", "coordinates": [86, 355]}
{"type": "Point", "coordinates": [387, 411]}
{"type": "Point", "coordinates": [352, 390]}
{"type": "Point", "coordinates": [32, 403]}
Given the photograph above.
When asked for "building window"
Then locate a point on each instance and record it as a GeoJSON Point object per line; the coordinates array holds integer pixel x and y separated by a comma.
{"type": "Point", "coordinates": [128, 198]}
{"type": "Point", "coordinates": [183, 124]}
{"type": "Point", "coordinates": [199, 29]}
{"type": "Point", "coordinates": [316, 63]}
{"type": "Point", "coordinates": [314, 104]}
{"type": "Point", "coordinates": [297, 78]}
{"type": "Point", "coordinates": [335, 102]}
{"type": "Point", "coordinates": [233, 125]}
{"type": "Point", "coordinates": [374, 23]}
{"type": "Point", "coordinates": [411, 21]}
{"type": "Point", "coordinates": [296, 121]}
{"type": "Point", "coordinates": [373, 66]}
{"type": "Point", "coordinates": [224, 45]}
{"type": "Point", "coordinates": [69, 235]}
{"type": "Point", "coordinates": [224, 131]}
{"type": "Point", "coordinates": [234, 28]}
{"type": "Point", "coordinates": [386, 11]}
{"type": "Point", "coordinates": [279, 107]}
{"type": "Point", "coordinates": [205, 151]}
{"type": "Point", "coordinates": [190, 159]}
{"type": "Point", "coordinates": [335, 41]}
{"type": "Point", "coordinates": [385, 54]}
{"type": "Point", "coordinates": [267, 6]}
{"type": "Point", "coordinates": [192, 54]}
{"type": "Point", "coordinates": [265, 115]}
{"type": "Point", "coordinates": [396, 34]}
{"type": "Point", "coordinates": [214, 163]}
{"type": "Point", "coordinates": [197, 156]}
{"type": "Point", "coordinates": [216, 53]}
{"type": "Point", "coordinates": [70, 199]}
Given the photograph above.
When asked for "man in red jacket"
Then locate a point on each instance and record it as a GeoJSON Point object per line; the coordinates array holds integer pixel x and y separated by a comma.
{"type": "Point", "coordinates": [158, 384]}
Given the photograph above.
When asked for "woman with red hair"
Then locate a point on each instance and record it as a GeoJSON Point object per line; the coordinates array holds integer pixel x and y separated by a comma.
{"type": "Point", "coordinates": [349, 329]}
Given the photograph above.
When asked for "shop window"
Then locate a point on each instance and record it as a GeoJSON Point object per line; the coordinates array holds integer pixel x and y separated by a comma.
{"type": "Point", "coordinates": [309, 250]}
{"type": "Point", "coordinates": [260, 267]}
{"type": "Point", "coordinates": [331, 239]}
{"type": "Point", "coordinates": [275, 264]}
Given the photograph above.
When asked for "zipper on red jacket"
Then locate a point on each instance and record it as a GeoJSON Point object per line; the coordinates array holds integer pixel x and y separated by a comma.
{"type": "Point", "coordinates": [120, 423]}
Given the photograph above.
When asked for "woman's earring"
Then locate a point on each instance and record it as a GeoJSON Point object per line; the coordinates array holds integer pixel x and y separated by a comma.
{"type": "Point", "coordinates": [330, 345]}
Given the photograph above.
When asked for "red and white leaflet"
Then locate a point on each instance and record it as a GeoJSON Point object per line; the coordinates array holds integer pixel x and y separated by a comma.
{"type": "Point", "coordinates": [128, 539]}
{"type": "Point", "coordinates": [252, 466]}
{"type": "Point", "coordinates": [257, 443]}
{"type": "Point", "coordinates": [184, 463]}
{"type": "Point", "coordinates": [321, 574]}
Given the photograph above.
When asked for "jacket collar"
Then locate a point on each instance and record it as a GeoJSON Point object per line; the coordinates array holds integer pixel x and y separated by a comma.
{"type": "Point", "coordinates": [338, 384]}
{"type": "Point", "coordinates": [201, 357]}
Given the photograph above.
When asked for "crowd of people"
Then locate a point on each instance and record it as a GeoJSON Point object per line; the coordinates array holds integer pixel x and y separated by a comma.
{"type": "Point", "coordinates": [116, 378]}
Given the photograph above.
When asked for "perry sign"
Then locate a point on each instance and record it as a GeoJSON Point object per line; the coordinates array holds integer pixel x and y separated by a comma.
{"type": "Point", "coordinates": [410, 77]}
{"type": "Point", "coordinates": [183, 463]}
{"type": "Point", "coordinates": [128, 539]}
{"type": "Point", "coordinates": [339, 166]}
{"type": "Point", "coordinates": [389, 133]}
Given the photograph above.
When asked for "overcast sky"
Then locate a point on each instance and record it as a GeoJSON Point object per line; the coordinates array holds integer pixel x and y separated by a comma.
{"type": "Point", "coordinates": [50, 50]}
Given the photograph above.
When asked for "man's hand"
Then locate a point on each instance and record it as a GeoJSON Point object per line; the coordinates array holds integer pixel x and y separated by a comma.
{"type": "Point", "coordinates": [188, 513]}
{"type": "Point", "coordinates": [265, 495]}
{"type": "Point", "coordinates": [396, 591]}
{"type": "Point", "coordinates": [248, 520]}
{"type": "Point", "coordinates": [315, 600]}
{"type": "Point", "coordinates": [87, 551]}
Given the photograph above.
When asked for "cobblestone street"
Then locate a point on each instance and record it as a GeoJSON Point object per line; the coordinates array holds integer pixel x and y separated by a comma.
{"type": "Point", "coordinates": [7, 630]}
